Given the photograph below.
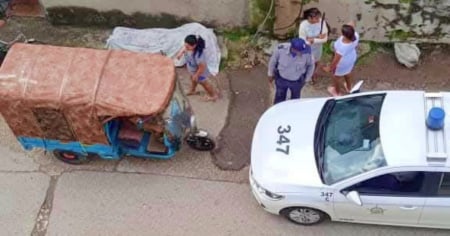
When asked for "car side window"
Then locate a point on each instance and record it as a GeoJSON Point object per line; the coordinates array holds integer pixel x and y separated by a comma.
{"type": "Point", "coordinates": [444, 186]}
{"type": "Point", "coordinates": [392, 184]}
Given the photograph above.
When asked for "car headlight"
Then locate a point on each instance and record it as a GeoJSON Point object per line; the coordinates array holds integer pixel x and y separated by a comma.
{"type": "Point", "coordinates": [270, 195]}
{"type": "Point", "coordinates": [273, 196]}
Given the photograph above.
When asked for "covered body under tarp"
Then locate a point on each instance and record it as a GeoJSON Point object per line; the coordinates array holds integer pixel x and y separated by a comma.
{"type": "Point", "coordinates": [168, 41]}
{"type": "Point", "coordinates": [66, 94]}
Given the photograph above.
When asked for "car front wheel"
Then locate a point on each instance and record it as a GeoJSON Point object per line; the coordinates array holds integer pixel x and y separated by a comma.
{"type": "Point", "coordinates": [304, 215]}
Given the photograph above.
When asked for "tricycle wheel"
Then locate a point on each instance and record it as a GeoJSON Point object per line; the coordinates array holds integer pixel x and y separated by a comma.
{"type": "Point", "coordinates": [201, 143]}
{"type": "Point", "coordinates": [72, 158]}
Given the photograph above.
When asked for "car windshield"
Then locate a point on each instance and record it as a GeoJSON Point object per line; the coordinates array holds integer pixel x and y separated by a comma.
{"type": "Point", "coordinates": [347, 138]}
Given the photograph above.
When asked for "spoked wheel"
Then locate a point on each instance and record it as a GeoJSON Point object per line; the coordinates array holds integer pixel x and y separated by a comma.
{"type": "Point", "coordinates": [71, 157]}
{"type": "Point", "coordinates": [304, 215]}
{"type": "Point", "coordinates": [200, 141]}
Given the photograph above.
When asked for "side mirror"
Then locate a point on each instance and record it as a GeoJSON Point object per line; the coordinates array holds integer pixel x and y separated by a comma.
{"type": "Point", "coordinates": [354, 197]}
{"type": "Point", "coordinates": [357, 87]}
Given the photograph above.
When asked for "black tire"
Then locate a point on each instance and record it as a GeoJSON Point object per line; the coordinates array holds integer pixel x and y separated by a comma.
{"type": "Point", "coordinates": [72, 158]}
{"type": "Point", "coordinates": [304, 215]}
{"type": "Point", "coordinates": [200, 143]}
{"type": "Point", "coordinates": [2, 56]}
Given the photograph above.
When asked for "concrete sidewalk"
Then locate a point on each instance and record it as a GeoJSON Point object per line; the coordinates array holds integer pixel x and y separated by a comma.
{"type": "Point", "coordinates": [21, 197]}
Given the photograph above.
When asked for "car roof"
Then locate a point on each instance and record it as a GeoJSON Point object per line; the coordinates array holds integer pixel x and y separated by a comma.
{"type": "Point", "coordinates": [405, 138]}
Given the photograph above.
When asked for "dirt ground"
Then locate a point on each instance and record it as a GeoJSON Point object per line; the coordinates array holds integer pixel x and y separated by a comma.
{"type": "Point", "coordinates": [381, 71]}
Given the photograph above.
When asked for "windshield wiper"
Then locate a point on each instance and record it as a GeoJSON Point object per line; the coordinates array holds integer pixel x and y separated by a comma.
{"type": "Point", "coordinates": [319, 137]}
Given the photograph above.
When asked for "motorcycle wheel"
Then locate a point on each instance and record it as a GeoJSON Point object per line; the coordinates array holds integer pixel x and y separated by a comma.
{"type": "Point", "coordinates": [200, 143]}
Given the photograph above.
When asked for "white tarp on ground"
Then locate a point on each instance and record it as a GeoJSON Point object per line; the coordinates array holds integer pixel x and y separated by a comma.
{"type": "Point", "coordinates": [168, 41]}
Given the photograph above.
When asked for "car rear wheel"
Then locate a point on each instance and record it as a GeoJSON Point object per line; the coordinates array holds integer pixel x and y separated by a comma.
{"type": "Point", "coordinates": [72, 158]}
{"type": "Point", "coordinates": [304, 215]}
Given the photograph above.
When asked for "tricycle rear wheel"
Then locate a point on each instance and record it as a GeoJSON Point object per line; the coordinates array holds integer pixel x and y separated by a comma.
{"type": "Point", "coordinates": [72, 158]}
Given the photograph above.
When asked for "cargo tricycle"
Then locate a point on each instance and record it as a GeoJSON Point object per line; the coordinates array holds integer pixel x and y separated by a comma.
{"type": "Point", "coordinates": [79, 103]}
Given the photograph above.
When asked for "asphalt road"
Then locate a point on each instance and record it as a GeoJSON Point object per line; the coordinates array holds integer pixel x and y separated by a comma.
{"type": "Point", "coordinates": [250, 98]}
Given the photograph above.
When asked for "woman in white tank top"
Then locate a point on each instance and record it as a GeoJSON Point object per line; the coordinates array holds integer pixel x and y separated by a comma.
{"type": "Point", "coordinates": [344, 59]}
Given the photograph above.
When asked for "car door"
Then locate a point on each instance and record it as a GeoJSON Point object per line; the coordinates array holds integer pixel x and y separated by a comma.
{"type": "Point", "coordinates": [436, 212]}
{"type": "Point", "coordinates": [395, 198]}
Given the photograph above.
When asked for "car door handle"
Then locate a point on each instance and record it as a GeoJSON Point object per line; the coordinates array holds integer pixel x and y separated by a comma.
{"type": "Point", "coordinates": [408, 208]}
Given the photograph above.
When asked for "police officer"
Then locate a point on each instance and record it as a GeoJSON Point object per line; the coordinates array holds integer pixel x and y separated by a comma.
{"type": "Point", "coordinates": [290, 66]}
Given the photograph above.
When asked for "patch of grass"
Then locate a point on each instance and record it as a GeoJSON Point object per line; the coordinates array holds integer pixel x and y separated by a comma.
{"type": "Point", "coordinates": [237, 41]}
{"type": "Point", "coordinates": [223, 64]}
{"type": "Point", "coordinates": [400, 35]}
{"type": "Point", "coordinates": [366, 59]}
{"type": "Point", "coordinates": [238, 34]}
{"type": "Point", "coordinates": [327, 50]}
{"type": "Point", "coordinates": [233, 59]}
{"type": "Point", "coordinates": [405, 1]}
{"type": "Point", "coordinates": [376, 46]}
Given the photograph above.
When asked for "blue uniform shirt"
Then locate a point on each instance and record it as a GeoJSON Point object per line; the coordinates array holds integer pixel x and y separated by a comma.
{"type": "Point", "coordinates": [290, 67]}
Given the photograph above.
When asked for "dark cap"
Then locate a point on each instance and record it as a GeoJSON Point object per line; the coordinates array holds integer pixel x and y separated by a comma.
{"type": "Point", "coordinates": [300, 45]}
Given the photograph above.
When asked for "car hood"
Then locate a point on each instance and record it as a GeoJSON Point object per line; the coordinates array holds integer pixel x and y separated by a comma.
{"type": "Point", "coordinates": [278, 171]}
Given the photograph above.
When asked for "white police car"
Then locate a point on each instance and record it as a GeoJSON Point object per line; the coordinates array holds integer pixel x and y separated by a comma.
{"type": "Point", "coordinates": [373, 157]}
